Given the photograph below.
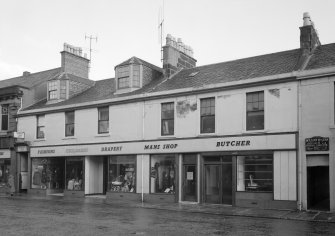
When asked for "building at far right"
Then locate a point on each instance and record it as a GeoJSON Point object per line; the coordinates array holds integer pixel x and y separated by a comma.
{"type": "Point", "coordinates": [316, 121]}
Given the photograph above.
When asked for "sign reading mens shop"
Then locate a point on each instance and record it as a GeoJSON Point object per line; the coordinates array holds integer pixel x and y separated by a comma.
{"type": "Point", "coordinates": [262, 142]}
{"type": "Point", "coordinates": [317, 144]}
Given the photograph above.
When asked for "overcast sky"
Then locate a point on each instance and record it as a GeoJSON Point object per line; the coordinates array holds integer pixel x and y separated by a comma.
{"type": "Point", "coordinates": [32, 32]}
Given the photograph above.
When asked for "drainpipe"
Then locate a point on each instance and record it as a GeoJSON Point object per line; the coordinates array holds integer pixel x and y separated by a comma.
{"type": "Point", "coordinates": [299, 148]}
{"type": "Point", "coordinates": [143, 130]}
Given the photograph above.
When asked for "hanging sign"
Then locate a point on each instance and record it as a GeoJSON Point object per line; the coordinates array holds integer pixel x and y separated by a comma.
{"type": "Point", "coordinates": [317, 143]}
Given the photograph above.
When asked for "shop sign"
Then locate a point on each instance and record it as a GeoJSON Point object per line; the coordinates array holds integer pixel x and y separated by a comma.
{"type": "Point", "coordinates": [22, 148]}
{"type": "Point", "coordinates": [317, 143]}
{"type": "Point", "coordinates": [76, 150]}
{"type": "Point", "coordinates": [160, 146]}
{"type": "Point", "coordinates": [46, 151]}
{"type": "Point", "coordinates": [18, 135]}
{"type": "Point", "coordinates": [4, 154]}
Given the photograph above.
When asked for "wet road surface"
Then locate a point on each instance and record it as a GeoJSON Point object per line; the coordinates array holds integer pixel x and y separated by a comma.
{"type": "Point", "coordinates": [53, 217]}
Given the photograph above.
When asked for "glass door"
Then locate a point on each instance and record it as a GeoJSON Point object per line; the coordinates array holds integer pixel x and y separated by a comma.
{"type": "Point", "coordinates": [226, 170]}
{"type": "Point", "coordinates": [212, 184]}
{"type": "Point", "coordinates": [190, 183]}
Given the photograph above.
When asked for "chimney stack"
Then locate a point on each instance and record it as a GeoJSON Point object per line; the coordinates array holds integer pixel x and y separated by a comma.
{"type": "Point", "coordinates": [176, 56]}
{"type": "Point", "coordinates": [25, 73]}
{"type": "Point", "coordinates": [309, 38]}
{"type": "Point", "coordinates": [73, 62]}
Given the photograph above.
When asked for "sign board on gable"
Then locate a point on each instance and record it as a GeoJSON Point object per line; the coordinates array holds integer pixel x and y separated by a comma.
{"type": "Point", "coordinates": [317, 143]}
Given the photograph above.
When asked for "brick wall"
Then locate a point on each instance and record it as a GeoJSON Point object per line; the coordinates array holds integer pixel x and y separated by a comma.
{"type": "Point", "coordinates": [74, 64]}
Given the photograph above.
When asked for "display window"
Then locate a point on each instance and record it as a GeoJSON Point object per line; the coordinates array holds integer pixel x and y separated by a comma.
{"type": "Point", "coordinates": [74, 174]}
{"type": "Point", "coordinates": [122, 174]}
{"type": "Point", "coordinates": [47, 173]}
{"type": "Point", "coordinates": [255, 173]}
{"type": "Point", "coordinates": [162, 174]}
{"type": "Point", "coordinates": [4, 172]}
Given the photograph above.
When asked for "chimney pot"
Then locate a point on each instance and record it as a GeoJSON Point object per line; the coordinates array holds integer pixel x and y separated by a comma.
{"type": "Point", "coordinates": [26, 73]}
{"type": "Point", "coordinates": [307, 19]}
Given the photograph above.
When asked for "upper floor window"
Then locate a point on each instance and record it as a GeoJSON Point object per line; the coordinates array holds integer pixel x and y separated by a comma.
{"type": "Point", "coordinates": [52, 90]}
{"type": "Point", "coordinates": [62, 89]}
{"type": "Point", "coordinates": [103, 120]}
{"type": "Point", "coordinates": [207, 115]}
{"type": "Point", "coordinates": [40, 126]}
{"type": "Point", "coordinates": [123, 77]}
{"type": "Point", "coordinates": [167, 117]}
{"type": "Point", "coordinates": [255, 110]}
{"type": "Point", "coordinates": [69, 123]}
{"type": "Point", "coordinates": [4, 117]}
{"type": "Point", "coordinates": [136, 76]}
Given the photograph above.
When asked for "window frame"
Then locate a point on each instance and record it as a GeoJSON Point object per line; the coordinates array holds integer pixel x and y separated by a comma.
{"type": "Point", "coordinates": [164, 119]}
{"type": "Point", "coordinates": [123, 77]}
{"type": "Point", "coordinates": [101, 120]}
{"type": "Point", "coordinates": [6, 114]}
{"type": "Point", "coordinates": [38, 126]}
{"type": "Point", "coordinates": [52, 89]}
{"type": "Point", "coordinates": [254, 111]}
{"type": "Point", "coordinates": [67, 124]}
{"type": "Point", "coordinates": [269, 156]}
{"type": "Point", "coordinates": [210, 115]}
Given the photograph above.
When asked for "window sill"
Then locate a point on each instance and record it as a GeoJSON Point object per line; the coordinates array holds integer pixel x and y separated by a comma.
{"type": "Point", "coordinates": [39, 140]}
{"type": "Point", "coordinates": [255, 131]}
{"type": "Point", "coordinates": [166, 137]}
{"type": "Point", "coordinates": [207, 134]}
{"type": "Point", "coordinates": [332, 126]}
{"type": "Point", "coordinates": [102, 135]}
{"type": "Point", "coordinates": [68, 138]}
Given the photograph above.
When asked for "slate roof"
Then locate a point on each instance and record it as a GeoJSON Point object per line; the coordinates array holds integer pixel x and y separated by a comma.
{"type": "Point", "coordinates": [68, 76]}
{"type": "Point", "coordinates": [138, 61]}
{"type": "Point", "coordinates": [30, 80]}
{"type": "Point", "coordinates": [246, 68]}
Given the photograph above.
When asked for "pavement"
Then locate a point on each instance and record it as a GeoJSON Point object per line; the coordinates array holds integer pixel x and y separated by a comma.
{"type": "Point", "coordinates": [314, 216]}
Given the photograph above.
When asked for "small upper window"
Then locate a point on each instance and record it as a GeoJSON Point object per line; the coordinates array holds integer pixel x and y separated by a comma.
{"type": "Point", "coordinates": [123, 77]}
{"type": "Point", "coordinates": [52, 90]}
{"type": "Point", "coordinates": [69, 123]}
{"type": "Point", "coordinates": [207, 115]}
{"type": "Point", "coordinates": [4, 117]}
{"type": "Point", "coordinates": [62, 89]}
{"type": "Point", "coordinates": [103, 120]}
{"type": "Point", "coordinates": [136, 76]}
{"type": "Point", "coordinates": [40, 126]}
{"type": "Point", "coordinates": [167, 117]}
{"type": "Point", "coordinates": [255, 110]}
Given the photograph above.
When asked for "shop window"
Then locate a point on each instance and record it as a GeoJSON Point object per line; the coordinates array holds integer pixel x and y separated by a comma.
{"type": "Point", "coordinates": [103, 120]}
{"type": "Point", "coordinates": [47, 173]}
{"type": "Point", "coordinates": [122, 174]}
{"type": "Point", "coordinates": [255, 173]}
{"type": "Point", "coordinates": [40, 126]}
{"type": "Point", "coordinates": [4, 172]}
{"type": "Point", "coordinates": [162, 174]}
{"type": "Point", "coordinates": [136, 76]}
{"type": "Point", "coordinates": [4, 117]}
{"type": "Point", "coordinates": [255, 110]}
{"type": "Point", "coordinates": [167, 116]}
{"type": "Point", "coordinates": [74, 174]}
{"type": "Point", "coordinates": [207, 115]}
{"type": "Point", "coordinates": [52, 90]}
{"type": "Point", "coordinates": [69, 123]}
{"type": "Point", "coordinates": [123, 77]}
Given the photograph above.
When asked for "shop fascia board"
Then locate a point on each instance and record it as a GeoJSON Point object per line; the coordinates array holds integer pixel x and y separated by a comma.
{"type": "Point", "coordinates": [259, 81]}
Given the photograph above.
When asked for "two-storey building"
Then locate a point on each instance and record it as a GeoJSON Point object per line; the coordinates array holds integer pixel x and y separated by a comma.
{"type": "Point", "coordinates": [23, 91]}
{"type": "Point", "coordinates": [224, 133]}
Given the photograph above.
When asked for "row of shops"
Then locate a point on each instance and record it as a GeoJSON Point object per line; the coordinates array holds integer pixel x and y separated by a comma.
{"type": "Point", "coordinates": [239, 171]}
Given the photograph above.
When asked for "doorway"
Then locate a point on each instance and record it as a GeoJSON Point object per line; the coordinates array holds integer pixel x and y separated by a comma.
{"type": "Point", "coordinates": [318, 194]}
{"type": "Point", "coordinates": [218, 180]}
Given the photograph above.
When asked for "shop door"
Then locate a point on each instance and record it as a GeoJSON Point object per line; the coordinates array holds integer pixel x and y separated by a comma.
{"type": "Point", "coordinates": [318, 188]}
{"type": "Point", "coordinates": [190, 183]}
{"type": "Point", "coordinates": [218, 183]}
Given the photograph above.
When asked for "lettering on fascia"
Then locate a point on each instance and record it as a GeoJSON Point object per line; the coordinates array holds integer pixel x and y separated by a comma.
{"type": "Point", "coordinates": [159, 146]}
{"type": "Point", "coordinates": [233, 143]}
{"type": "Point", "coordinates": [111, 149]}
{"type": "Point", "coordinates": [46, 151]}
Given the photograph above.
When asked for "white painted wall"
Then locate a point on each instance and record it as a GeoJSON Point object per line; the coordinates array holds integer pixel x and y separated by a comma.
{"type": "Point", "coordinates": [126, 120]}
{"type": "Point", "coordinates": [93, 174]}
{"type": "Point", "coordinates": [285, 175]}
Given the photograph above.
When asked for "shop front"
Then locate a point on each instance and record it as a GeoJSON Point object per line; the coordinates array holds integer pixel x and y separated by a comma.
{"type": "Point", "coordinates": [253, 171]}
{"type": "Point", "coordinates": [5, 170]}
